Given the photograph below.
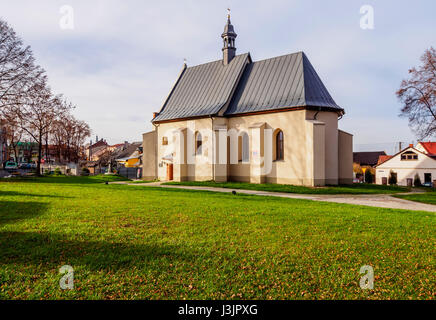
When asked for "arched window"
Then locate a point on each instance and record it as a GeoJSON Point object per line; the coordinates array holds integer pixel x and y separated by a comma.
{"type": "Point", "coordinates": [243, 147]}
{"type": "Point", "coordinates": [279, 145]}
{"type": "Point", "coordinates": [198, 143]}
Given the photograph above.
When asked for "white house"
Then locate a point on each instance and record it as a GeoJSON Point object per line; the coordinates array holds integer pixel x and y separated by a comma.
{"type": "Point", "coordinates": [406, 164]}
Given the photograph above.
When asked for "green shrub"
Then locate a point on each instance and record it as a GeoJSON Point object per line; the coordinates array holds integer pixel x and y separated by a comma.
{"type": "Point", "coordinates": [85, 172]}
{"type": "Point", "coordinates": [369, 178]}
{"type": "Point", "coordinates": [392, 178]}
{"type": "Point", "coordinates": [57, 172]}
{"type": "Point", "coordinates": [417, 181]}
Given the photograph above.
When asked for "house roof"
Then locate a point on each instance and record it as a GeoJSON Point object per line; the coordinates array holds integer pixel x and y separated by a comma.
{"type": "Point", "coordinates": [430, 147]}
{"type": "Point", "coordinates": [370, 158]}
{"type": "Point", "coordinates": [99, 143]}
{"type": "Point", "coordinates": [382, 159]}
{"type": "Point", "coordinates": [278, 83]}
{"type": "Point", "coordinates": [404, 150]}
{"type": "Point", "coordinates": [244, 86]}
{"type": "Point", "coordinates": [127, 152]}
{"type": "Point", "coordinates": [202, 90]}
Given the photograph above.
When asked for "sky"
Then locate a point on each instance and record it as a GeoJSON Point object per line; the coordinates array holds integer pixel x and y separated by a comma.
{"type": "Point", "coordinates": [121, 58]}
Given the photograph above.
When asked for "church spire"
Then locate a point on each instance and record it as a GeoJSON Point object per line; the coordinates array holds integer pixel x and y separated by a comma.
{"type": "Point", "coordinates": [229, 36]}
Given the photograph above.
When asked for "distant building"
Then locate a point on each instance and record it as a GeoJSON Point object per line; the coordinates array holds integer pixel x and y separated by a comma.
{"type": "Point", "coordinates": [95, 150]}
{"type": "Point", "coordinates": [409, 162]}
{"type": "Point", "coordinates": [369, 158]}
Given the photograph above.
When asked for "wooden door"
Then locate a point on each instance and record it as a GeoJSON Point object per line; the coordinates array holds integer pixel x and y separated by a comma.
{"type": "Point", "coordinates": [170, 172]}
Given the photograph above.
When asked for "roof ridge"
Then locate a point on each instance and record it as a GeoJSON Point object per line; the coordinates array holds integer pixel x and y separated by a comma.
{"type": "Point", "coordinates": [215, 61]}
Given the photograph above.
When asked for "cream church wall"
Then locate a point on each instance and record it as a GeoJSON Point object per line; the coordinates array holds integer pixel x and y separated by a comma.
{"type": "Point", "coordinates": [313, 149]}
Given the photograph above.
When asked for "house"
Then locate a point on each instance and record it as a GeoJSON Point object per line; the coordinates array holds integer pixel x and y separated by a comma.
{"type": "Point", "coordinates": [95, 150]}
{"type": "Point", "coordinates": [367, 159]}
{"type": "Point", "coordinates": [130, 156]}
{"type": "Point", "coordinates": [24, 152]}
{"type": "Point", "coordinates": [235, 119]}
{"type": "Point", "coordinates": [419, 160]}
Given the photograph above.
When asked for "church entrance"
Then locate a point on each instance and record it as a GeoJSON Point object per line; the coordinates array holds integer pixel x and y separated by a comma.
{"type": "Point", "coordinates": [170, 172]}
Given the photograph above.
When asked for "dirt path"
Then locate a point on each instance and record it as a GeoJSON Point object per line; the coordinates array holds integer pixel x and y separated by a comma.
{"type": "Point", "coordinates": [372, 200]}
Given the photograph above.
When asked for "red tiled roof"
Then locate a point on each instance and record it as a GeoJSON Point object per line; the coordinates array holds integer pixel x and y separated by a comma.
{"type": "Point", "coordinates": [430, 147]}
{"type": "Point", "coordinates": [382, 159]}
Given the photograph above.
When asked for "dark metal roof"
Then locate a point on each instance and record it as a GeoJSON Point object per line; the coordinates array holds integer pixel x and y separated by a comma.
{"type": "Point", "coordinates": [203, 90]}
{"type": "Point", "coordinates": [273, 84]}
{"type": "Point", "coordinates": [277, 83]}
{"type": "Point", "coordinates": [369, 158]}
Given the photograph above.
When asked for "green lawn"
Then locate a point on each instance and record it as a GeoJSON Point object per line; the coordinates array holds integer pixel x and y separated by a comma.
{"type": "Point", "coordinates": [428, 197]}
{"type": "Point", "coordinates": [131, 242]}
{"type": "Point", "coordinates": [357, 188]}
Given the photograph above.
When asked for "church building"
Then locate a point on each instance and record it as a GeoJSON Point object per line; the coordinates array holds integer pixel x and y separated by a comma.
{"type": "Point", "coordinates": [235, 119]}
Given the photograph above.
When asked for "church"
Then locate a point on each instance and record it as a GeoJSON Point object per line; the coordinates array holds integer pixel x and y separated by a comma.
{"type": "Point", "coordinates": [235, 119]}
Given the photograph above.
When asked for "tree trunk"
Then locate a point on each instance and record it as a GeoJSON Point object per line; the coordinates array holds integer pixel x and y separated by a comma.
{"type": "Point", "coordinates": [38, 165]}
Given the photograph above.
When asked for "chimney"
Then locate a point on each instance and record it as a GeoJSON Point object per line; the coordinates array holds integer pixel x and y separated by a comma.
{"type": "Point", "coordinates": [411, 145]}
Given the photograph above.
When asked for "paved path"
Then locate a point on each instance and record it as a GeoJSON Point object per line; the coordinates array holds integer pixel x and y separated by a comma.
{"type": "Point", "coordinates": [372, 200]}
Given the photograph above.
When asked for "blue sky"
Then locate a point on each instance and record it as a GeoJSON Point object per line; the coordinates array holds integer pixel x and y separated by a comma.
{"type": "Point", "coordinates": [122, 57]}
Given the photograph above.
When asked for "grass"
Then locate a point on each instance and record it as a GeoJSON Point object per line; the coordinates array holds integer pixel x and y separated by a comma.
{"type": "Point", "coordinates": [427, 197]}
{"type": "Point", "coordinates": [143, 181]}
{"type": "Point", "coordinates": [127, 242]}
{"type": "Point", "coordinates": [357, 188]}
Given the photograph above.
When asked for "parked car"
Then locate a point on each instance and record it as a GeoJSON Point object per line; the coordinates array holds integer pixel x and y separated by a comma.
{"type": "Point", "coordinates": [10, 165]}
{"type": "Point", "coordinates": [24, 166]}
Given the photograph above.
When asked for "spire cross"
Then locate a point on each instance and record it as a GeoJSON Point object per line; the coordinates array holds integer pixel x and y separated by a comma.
{"type": "Point", "coordinates": [228, 13]}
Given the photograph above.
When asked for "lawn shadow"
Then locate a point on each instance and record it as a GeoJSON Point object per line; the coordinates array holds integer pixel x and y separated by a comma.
{"type": "Point", "coordinates": [22, 194]}
{"type": "Point", "coordinates": [15, 211]}
{"type": "Point", "coordinates": [34, 248]}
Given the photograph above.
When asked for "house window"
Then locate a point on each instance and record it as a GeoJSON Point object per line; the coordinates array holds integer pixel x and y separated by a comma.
{"type": "Point", "coordinates": [243, 147]}
{"type": "Point", "coordinates": [198, 143]}
{"type": "Point", "coordinates": [427, 178]}
{"type": "Point", "coordinates": [409, 155]}
{"type": "Point", "coordinates": [164, 141]}
{"type": "Point", "coordinates": [279, 139]}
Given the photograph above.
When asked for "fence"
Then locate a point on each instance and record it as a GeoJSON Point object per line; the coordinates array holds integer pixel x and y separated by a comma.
{"type": "Point", "coordinates": [130, 173]}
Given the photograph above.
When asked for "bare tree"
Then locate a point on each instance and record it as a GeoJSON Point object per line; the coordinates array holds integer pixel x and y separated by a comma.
{"type": "Point", "coordinates": [18, 71]}
{"type": "Point", "coordinates": [69, 135]}
{"type": "Point", "coordinates": [418, 95]}
{"type": "Point", "coordinates": [38, 113]}
{"type": "Point", "coordinates": [13, 133]}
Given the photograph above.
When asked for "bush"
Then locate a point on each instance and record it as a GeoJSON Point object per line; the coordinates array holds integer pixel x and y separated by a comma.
{"type": "Point", "coordinates": [392, 178]}
{"type": "Point", "coordinates": [85, 172]}
{"type": "Point", "coordinates": [369, 178]}
{"type": "Point", "coordinates": [57, 172]}
{"type": "Point", "coordinates": [417, 181]}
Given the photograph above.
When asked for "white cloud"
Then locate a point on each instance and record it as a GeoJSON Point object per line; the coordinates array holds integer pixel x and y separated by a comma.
{"type": "Point", "coordinates": [122, 58]}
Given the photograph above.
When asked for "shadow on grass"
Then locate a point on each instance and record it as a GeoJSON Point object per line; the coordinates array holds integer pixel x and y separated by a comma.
{"type": "Point", "coordinates": [15, 211]}
{"type": "Point", "coordinates": [15, 193]}
{"type": "Point", "coordinates": [32, 249]}
{"type": "Point", "coordinates": [68, 179]}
